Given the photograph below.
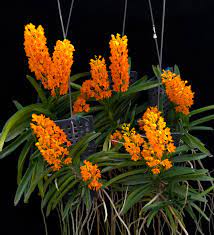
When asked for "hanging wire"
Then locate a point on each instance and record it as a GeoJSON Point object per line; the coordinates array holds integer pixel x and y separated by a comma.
{"type": "Point", "coordinates": [69, 17]}
{"type": "Point", "coordinates": [124, 17]}
{"type": "Point", "coordinates": [64, 36]}
{"type": "Point", "coordinates": [162, 33]}
{"type": "Point", "coordinates": [154, 31]}
{"type": "Point", "coordinates": [159, 54]}
{"type": "Point", "coordinates": [61, 20]}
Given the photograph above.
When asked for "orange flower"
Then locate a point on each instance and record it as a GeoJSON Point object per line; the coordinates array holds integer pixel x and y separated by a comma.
{"type": "Point", "coordinates": [92, 174]}
{"type": "Point", "coordinates": [178, 92]}
{"type": "Point", "coordinates": [37, 52]}
{"type": "Point", "coordinates": [119, 63]}
{"type": "Point", "coordinates": [116, 136]}
{"type": "Point", "coordinates": [97, 87]}
{"type": "Point", "coordinates": [61, 67]}
{"type": "Point", "coordinates": [53, 72]}
{"type": "Point", "coordinates": [52, 141]}
{"type": "Point", "coordinates": [159, 142]}
{"type": "Point", "coordinates": [132, 141]}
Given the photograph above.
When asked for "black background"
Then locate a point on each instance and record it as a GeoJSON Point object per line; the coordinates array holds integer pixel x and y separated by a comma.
{"type": "Point", "coordinates": [189, 43]}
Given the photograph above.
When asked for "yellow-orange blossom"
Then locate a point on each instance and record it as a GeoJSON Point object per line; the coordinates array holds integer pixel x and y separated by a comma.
{"type": "Point", "coordinates": [53, 72]}
{"type": "Point", "coordinates": [178, 92]}
{"type": "Point", "coordinates": [91, 174]}
{"type": "Point", "coordinates": [52, 141]}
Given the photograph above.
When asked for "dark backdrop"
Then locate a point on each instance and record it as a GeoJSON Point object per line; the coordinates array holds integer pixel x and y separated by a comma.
{"type": "Point", "coordinates": [189, 33]}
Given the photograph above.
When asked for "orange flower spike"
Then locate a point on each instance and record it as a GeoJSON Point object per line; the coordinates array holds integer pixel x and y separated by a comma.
{"type": "Point", "coordinates": [91, 173]}
{"type": "Point", "coordinates": [52, 141]}
{"type": "Point", "coordinates": [61, 68]}
{"type": "Point", "coordinates": [178, 92]}
{"type": "Point", "coordinates": [100, 81]}
{"type": "Point", "coordinates": [119, 63]}
{"type": "Point", "coordinates": [36, 50]}
{"type": "Point", "coordinates": [159, 142]}
{"type": "Point", "coordinates": [133, 142]}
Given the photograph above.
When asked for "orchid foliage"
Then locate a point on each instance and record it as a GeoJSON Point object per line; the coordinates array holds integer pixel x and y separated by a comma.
{"type": "Point", "coordinates": [146, 174]}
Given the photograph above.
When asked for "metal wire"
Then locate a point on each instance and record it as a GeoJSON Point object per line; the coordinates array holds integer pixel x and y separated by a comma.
{"type": "Point", "coordinates": [124, 17]}
{"type": "Point", "coordinates": [162, 32]}
{"type": "Point", "coordinates": [154, 31]}
{"type": "Point", "coordinates": [64, 36]}
{"type": "Point", "coordinates": [69, 17]}
{"type": "Point", "coordinates": [61, 20]}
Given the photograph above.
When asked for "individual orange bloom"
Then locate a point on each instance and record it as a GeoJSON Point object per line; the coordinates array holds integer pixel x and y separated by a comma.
{"type": "Point", "coordinates": [119, 63]}
{"type": "Point", "coordinates": [178, 92]}
{"type": "Point", "coordinates": [52, 141]}
{"type": "Point", "coordinates": [155, 171]}
{"type": "Point", "coordinates": [80, 105]}
{"type": "Point", "coordinates": [53, 72]}
{"type": "Point", "coordinates": [91, 174]}
{"type": "Point", "coordinates": [117, 136]}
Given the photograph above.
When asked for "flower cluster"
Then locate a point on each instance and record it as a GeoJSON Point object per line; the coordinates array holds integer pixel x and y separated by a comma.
{"type": "Point", "coordinates": [53, 72]}
{"type": "Point", "coordinates": [61, 66]}
{"type": "Point", "coordinates": [155, 147]}
{"type": "Point", "coordinates": [178, 92]}
{"type": "Point", "coordinates": [132, 142]}
{"type": "Point", "coordinates": [97, 87]}
{"type": "Point", "coordinates": [37, 52]}
{"type": "Point", "coordinates": [52, 141]}
{"type": "Point", "coordinates": [91, 174]}
{"type": "Point", "coordinates": [119, 63]}
{"type": "Point", "coordinates": [159, 140]}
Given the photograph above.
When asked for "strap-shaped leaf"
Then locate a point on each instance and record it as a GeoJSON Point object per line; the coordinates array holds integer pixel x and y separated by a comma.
{"type": "Point", "coordinates": [77, 76]}
{"type": "Point", "coordinates": [124, 175]}
{"type": "Point", "coordinates": [38, 88]}
{"type": "Point", "coordinates": [18, 116]}
{"type": "Point", "coordinates": [22, 158]}
{"type": "Point", "coordinates": [196, 143]}
{"type": "Point", "coordinates": [188, 157]}
{"type": "Point", "coordinates": [23, 184]}
{"type": "Point", "coordinates": [15, 144]}
{"type": "Point", "coordinates": [202, 120]}
{"type": "Point", "coordinates": [136, 197]}
{"type": "Point", "coordinates": [201, 110]}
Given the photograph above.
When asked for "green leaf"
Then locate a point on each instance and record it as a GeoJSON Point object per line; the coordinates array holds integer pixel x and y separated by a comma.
{"type": "Point", "coordinates": [136, 196]}
{"type": "Point", "coordinates": [22, 158]}
{"type": "Point", "coordinates": [124, 175]}
{"type": "Point", "coordinates": [202, 120]}
{"type": "Point", "coordinates": [179, 171]}
{"type": "Point", "coordinates": [142, 87]}
{"type": "Point", "coordinates": [21, 126]}
{"type": "Point", "coordinates": [40, 173]}
{"type": "Point", "coordinates": [199, 211]}
{"type": "Point", "coordinates": [201, 128]}
{"type": "Point", "coordinates": [23, 184]}
{"type": "Point", "coordinates": [176, 70]}
{"type": "Point", "coordinates": [38, 88]}
{"type": "Point", "coordinates": [17, 104]}
{"type": "Point", "coordinates": [75, 86]}
{"type": "Point", "coordinates": [188, 157]}
{"type": "Point", "coordinates": [19, 115]}
{"type": "Point", "coordinates": [204, 109]}
{"type": "Point", "coordinates": [15, 144]}
{"type": "Point", "coordinates": [196, 143]}
{"type": "Point", "coordinates": [75, 77]}
{"type": "Point", "coordinates": [156, 71]}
